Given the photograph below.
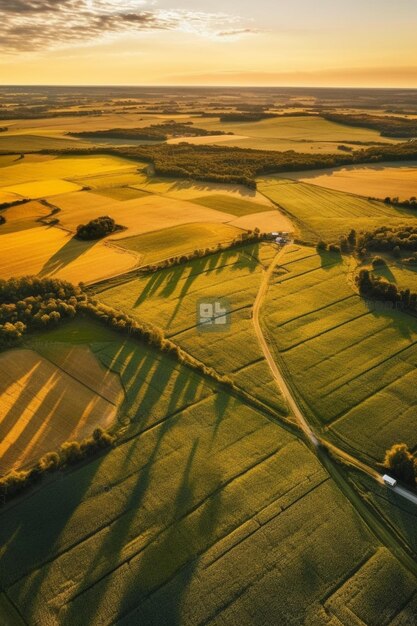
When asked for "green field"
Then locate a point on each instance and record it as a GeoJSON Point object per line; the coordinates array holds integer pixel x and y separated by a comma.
{"type": "Point", "coordinates": [353, 363]}
{"type": "Point", "coordinates": [168, 242]}
{"type": "Point", "coordinates": [301, 133]}
{"type": "Point", "coordinates": [175, 293]}
{"type": "Point", "coordinates": [133, 541]}
{"type": "Point", "coordinates": [324, 213]}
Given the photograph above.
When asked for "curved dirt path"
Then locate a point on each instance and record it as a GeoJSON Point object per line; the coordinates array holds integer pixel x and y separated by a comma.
{"type": "Point", "coordinates": [283, 386]}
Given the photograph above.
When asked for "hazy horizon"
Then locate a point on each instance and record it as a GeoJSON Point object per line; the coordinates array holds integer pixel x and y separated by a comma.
{"type": "Point", "coordinates": [328, 44]}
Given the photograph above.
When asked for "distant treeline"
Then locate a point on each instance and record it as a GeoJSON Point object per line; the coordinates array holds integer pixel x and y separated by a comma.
{"type": "Point", "coordinates": [154, 132]}
{"type": "Point", "coordinates": [411, 203]}
{"type": "Point", "coordinates": [391, 126]}
{"type": "Point", "coordinates": [41, 112]}
{"type": "Point", "coordinates": [245, 117]}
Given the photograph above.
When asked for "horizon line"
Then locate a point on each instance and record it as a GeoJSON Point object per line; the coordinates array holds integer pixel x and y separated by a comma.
{"type": "Point", "coordinates": [208, 86]}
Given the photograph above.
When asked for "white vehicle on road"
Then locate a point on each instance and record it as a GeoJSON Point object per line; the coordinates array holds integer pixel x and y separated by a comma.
{"type": "Point", "coordinates": [388, 480]}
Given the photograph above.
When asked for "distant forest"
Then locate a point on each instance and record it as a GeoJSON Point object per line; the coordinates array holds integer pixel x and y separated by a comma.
{"type": "Point", "coordinates": [241, 165]}
{"type": "Point", "coordinates": [154, 132]}
{"type": "Point", "coordinates": [390, 126]}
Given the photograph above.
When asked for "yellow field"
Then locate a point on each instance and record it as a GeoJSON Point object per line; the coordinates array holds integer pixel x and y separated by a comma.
{"type": "Point", "coordinates": [67, 167]}
{"type": "Point", "coordinates": [42, 188]}
{"type": "Point", "coordinates": [207, 140]}
{"type": "Point", "coordinates": [266, 221]}
{"type": "Point", "coordinates": [54, 252]}
{"type": "Point", "coordinates": [377, 180]}
{"type": "Point", "coordinates": [168, 242]}
{"type": "Point", "coordinates": [42, 404]}
{"type": "Point", "coordinates": [23, 216]}
{"type": "Point", "coordinates": [140, 215]}
{"type": "Point", "coordinates": [187, 190]}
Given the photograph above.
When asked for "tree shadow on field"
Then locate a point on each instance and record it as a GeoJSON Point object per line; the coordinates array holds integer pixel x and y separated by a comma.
{"type": "Point", "coordinates": [70, 251]}
{"type": "Point", "coordinates": [384, 271]}
{"type": "Point", "coordinates": [404, 323]}
{"type": "Point", "coordinates": [34, 530]}
{"type": "Point", "coordinates": [164, 571]}
{"type": "Point", "coordinates": [329, 260]}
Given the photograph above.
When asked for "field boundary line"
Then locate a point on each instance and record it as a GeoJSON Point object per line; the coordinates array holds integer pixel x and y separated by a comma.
{"type": "Point", "coordinates": [324, 332]}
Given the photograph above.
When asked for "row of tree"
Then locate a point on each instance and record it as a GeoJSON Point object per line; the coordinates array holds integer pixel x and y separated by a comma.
{"type": "Point", "coordinates": [245, 238]}
{"type": "Point", "coordinates": [389, 239]}
{"type": "Point", "coordinates": [30, 303]}
{"type": "Point", "coordinates": [70, 453]}
{"type": "Point", "coordinates": [376, 288]}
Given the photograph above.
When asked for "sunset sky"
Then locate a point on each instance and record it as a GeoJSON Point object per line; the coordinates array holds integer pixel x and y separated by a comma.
{"type": "Point", "coordinates": [191, 42]}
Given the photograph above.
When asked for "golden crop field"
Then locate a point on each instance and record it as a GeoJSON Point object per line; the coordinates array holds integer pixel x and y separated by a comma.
{"type": "Point", "coordinates": [376, 180]}
{"type": "Point", "coordinates": [47, 400]}
{"type": "Point", "coordinates": [23, 216]}
{"type": "Point", "coordinates": [54, 252]}
{"type": "Point", "coordinates": [139, 215]}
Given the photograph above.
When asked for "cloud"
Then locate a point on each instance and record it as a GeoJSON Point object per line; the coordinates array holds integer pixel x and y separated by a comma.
{"type": "Point", "coordinates": [31, 25]}
{"type": "Point", "coordinates": [236, 32]}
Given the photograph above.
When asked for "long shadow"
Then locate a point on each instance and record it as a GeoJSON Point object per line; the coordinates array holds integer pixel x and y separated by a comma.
{"type": "Point", "coordinates": [69, 252]}
{"type": "Point", "coordinates": [404, 323]}
{"type": "Point", "coordinates": [329, 260]}
{"type": "Point", "coordinates": [384, 271]}
{"type": "Point", "coordinates": [31, 532]}
{"type": "Point", "coordinates": [111, 549]}
{"type": "Point", "coordinates": [168, 565]}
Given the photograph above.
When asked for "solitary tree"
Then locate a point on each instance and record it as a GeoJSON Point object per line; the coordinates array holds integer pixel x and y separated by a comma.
{"type": "Point", "coordinates": [401, 462]}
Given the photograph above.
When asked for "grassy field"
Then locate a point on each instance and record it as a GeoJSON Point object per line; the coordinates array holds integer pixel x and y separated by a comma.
{"type": "Point", "coordinates": [376, 180]}
{"type": "Point", "coordinates": [57, 394]}
{"type": "Point", "coordinates": [324, 213]}
{"type": "Point", "coordinates": [404, 276]}
{"type": "Point", "coordinates": [175, 294]}
{"type": "Point", "coordinates": [128, 517]}
{"type": "Point", "coordinates": [302, 134]}
{"type": "Point", "coordinates": [352, 363]}
{"type": "Point", "coordinates": [177, 240]}
{"type": "Point", "coordinates": [54, 252]}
